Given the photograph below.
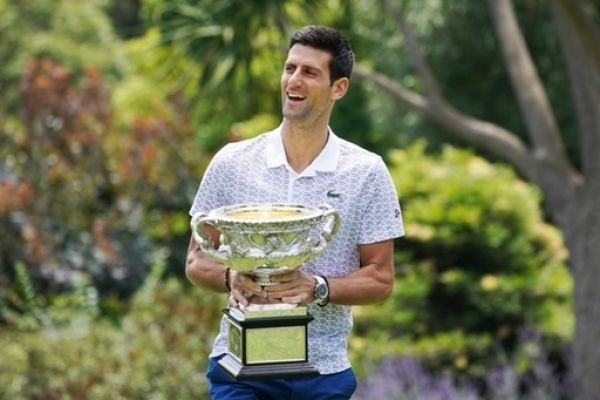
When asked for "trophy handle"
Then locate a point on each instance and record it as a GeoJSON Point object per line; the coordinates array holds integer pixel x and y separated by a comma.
{"type": "Point", "coordinates": [199, 220]}
{"type": "Point", "coordinates": [330, 228]}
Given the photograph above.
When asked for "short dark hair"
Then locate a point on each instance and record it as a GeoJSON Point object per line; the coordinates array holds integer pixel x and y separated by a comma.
{"type": "Point", "coordinates": [328, 39]}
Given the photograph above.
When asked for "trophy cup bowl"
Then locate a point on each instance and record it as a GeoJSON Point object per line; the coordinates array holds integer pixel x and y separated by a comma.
{"type": "Point", "coordinates": [265, 240]}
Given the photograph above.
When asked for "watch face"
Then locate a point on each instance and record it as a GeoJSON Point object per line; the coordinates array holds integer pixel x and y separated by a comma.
{"type": "Point", "coordinates": [321, 291]}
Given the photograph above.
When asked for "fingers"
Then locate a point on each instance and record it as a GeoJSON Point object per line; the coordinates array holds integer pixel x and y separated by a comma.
{"type": "Point", "coordinates": [244, 289]}
{"type": "Point", "coordinates": [232, 301]}
{"type": "Point", "coordinates": [298, 290]}
{"type": "Point", "coordinates": [299, 299]}
{"type": "Point", "coordinates": [295, 287]}
{"type": "Point", "coordinates": [262, 300]}
{"type": "Point", "coordinates": [244, 283]}
{"type": "Point", "coordinates": [284, 277]}
{"type": "Point", "coordinates": [248, 299]}
{"type": "Point", "coordinates": [237, 298]}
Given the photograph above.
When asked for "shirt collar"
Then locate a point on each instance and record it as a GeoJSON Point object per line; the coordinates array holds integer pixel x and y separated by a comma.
{"type": "Point", "coordinates": [326, 161]}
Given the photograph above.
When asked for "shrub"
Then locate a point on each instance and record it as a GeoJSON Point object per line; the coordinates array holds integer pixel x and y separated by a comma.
{"type": "Point", "coordinates": [157, 351]}
{"type": "Point", "coordinates": [478, 264]}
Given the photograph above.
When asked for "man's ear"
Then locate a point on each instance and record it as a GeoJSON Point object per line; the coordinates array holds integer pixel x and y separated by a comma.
{"type": "Point", "coordinates": [340, 87]}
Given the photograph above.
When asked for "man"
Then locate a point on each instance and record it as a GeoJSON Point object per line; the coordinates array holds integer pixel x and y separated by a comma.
{"type": "Point", "coordinates": [304, 162]}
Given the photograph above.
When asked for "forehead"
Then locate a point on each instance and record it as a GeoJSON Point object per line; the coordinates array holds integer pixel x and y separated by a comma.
{"type": "Point", "coordinates": [306, 56]}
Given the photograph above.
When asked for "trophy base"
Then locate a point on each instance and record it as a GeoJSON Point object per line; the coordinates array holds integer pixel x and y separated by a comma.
{"type": "Point", "coordinates": [267, 343]}
{"type": "Point", "coordinates": [239, 371]}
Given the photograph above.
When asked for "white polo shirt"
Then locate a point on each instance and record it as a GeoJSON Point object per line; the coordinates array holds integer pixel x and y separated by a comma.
{"type": "Point", "coordinates": [352, 180]}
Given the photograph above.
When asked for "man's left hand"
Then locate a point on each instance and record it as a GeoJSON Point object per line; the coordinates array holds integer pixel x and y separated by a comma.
{"type": "Point", "coordinates": [295, 287]}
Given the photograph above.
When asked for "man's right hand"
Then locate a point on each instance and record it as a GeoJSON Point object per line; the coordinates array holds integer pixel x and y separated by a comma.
{"type": "Point", "coordinates": [244, 290]}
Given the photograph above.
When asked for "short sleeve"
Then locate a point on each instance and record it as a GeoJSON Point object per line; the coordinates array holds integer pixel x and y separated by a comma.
{"type": "Point", "coordinates": [211, 193]}
{"type": "Point", "coordinates": [381, 216]}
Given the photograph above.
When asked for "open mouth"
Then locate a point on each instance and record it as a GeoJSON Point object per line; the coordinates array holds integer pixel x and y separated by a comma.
{"type": "Point", "coordinates": [295, 97]}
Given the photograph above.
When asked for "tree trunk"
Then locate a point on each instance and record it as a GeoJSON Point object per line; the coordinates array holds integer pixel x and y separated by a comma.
{"type": "Point", "coordinates": [583, 240]}
{"type": "Point", "coordinates": [579, 38]}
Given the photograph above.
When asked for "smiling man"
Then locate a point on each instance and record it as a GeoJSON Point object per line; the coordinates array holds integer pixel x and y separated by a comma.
{"type": "Point", "coordinates": [304, 162]}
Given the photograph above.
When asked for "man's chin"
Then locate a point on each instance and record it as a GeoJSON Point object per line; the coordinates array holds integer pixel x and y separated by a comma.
{"type": "Point", "coordinates": [293, 114]}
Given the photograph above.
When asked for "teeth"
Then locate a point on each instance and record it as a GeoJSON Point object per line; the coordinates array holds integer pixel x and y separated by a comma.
{"type": "Point", "coordinates": [295, 97]}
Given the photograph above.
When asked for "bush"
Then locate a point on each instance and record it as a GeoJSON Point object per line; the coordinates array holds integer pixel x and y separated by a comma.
{"type": "Point", "coordinates": [478, 265]}
{"type": "Point", "coordinates": [157, 351]}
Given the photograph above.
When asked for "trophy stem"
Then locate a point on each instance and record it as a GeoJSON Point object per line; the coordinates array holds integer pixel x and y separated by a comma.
{"type": "Point", "coordinates": [264, 280]}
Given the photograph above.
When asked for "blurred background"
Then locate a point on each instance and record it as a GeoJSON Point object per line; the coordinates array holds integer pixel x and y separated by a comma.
{"type": "Point", "coordinates": [110, 111]}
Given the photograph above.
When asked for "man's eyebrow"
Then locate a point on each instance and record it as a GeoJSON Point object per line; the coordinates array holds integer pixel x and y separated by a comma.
{"type": "Point", "coordinates": [307, 68]}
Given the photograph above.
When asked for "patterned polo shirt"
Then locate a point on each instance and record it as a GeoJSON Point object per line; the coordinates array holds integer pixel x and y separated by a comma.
{"type": "Point", "coordinates": [352, 180]}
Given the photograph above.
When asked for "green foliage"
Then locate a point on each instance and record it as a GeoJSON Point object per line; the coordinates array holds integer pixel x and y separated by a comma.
{"type": "Point", "coordinates": [477, 265]}
{"type": "Point", "coordinates": [71, 32]}
{"type": "Point", "coordinates": [235, 51]}
{"type": "Point", "coordinates": [158, 351]}
{"type": "Point", "coordinates": [22, 296]}
{"type": "Point", "coordinates": [125, 17]}
{"type": "Point", "coordinates": [90, 182]}
{"type": "Point", "coordinates": [462, 53]}
{"type": "Point", "coordinates": [54, 178]}
{"type": "Point", "coordinates": [224, 36]}
{"type": "Point", "coordinates": [104, 143]}
{"type": "Point", "coordinates": [25, 309]}
{"type": "Point", "coordinates": [458, 40]}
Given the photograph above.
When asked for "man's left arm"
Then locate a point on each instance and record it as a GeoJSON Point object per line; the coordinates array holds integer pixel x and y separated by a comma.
{"type": "Point", "coordinates": [371, 283]}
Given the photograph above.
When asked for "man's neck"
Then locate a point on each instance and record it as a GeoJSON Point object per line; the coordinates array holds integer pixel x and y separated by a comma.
{"type": "Point", "coordinates": [303, 143]}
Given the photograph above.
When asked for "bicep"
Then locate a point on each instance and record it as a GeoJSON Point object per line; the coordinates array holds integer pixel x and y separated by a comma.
{"type": "Point", "coordinates": [379, 257]}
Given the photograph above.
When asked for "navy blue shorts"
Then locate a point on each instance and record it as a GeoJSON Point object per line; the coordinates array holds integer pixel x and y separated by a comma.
{"type": "Point", "coordinates": [222, 386]}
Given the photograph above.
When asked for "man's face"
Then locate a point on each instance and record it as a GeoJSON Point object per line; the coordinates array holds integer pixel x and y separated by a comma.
{"type": "Point", "coordinates": [307, 93]}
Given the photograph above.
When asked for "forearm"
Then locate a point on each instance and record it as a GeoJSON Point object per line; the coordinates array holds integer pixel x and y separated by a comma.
{"type": "Point", "coordinates": [207, 273]}
{"type": "Point", "coordinates": [203, 271]}
{"type": "Point", "coordinates": [367, 285]}
{"type": "Point", "coordinates": [371, 283]}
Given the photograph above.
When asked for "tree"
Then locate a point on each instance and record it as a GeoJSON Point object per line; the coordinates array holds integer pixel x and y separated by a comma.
{"type": "Point", "coordinates": [570, 193]}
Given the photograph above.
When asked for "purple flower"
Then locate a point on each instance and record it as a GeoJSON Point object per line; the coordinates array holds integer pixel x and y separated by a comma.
{"type": "Point", "coordinates": [405, 378]}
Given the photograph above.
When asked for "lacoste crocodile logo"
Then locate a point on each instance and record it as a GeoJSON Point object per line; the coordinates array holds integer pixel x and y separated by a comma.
{"type": "Point", "coordinates": [332, 194]}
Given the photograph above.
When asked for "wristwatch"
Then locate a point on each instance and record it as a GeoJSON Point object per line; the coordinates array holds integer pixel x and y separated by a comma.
{"type": "Point", "coordinates": [321, 291]}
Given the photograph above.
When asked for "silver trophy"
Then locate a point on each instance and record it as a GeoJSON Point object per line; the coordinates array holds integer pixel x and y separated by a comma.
{"type": "Point", "coordinates": [266, 240]}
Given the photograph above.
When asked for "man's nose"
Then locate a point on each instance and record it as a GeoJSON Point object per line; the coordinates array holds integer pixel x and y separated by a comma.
{"type": "Point", "coordinates": [294, 78]}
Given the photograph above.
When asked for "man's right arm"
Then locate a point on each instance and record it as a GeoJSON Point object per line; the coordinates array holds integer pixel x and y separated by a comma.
{"type": "Point", "coordinates": [208, 273]}
{"type": "Point", "coordinates": [202, 270]}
